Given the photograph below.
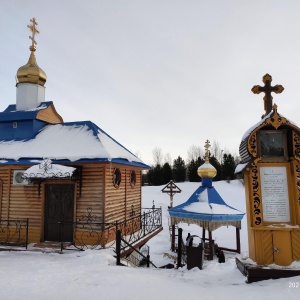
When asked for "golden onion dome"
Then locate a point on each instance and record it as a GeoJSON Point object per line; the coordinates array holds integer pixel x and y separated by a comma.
{"type": "Point", "coordinates": [207, 170]}
{"type": "Point", "coordinates": [31, 72]}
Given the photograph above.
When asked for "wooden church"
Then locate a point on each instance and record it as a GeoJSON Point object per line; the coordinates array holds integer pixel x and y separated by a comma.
{"type": "Point", "coordinates": [54, 172]}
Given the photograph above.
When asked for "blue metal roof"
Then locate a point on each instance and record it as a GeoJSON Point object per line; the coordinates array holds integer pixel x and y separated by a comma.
{"type": "Point", "coordinates": [11, 114]}
{"type": "Point", "coordinates": [213, 200]}
{"type": "Point", "coordinates": [32, 140]}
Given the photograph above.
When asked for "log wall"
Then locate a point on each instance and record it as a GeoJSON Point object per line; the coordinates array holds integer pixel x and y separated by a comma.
{"type": "Point", "coordinates": [108, 203]}
{"type": "Point", "coordinates": [121, 201]}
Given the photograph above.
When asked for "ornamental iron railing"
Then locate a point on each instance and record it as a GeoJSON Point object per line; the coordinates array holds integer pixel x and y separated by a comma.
{"type": "Point", "coordinates": [90, 234]}
{"type": "Point", "coordinates": [88, 231]}
{"type": "Point", "coordinates": [14, 232]}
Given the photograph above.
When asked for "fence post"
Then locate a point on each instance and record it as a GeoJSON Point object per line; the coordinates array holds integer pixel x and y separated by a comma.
{"type": "Point", "coordinates": [61, 238]}
{"type": "Point", "coordinates": [144, 224]}
{"type": "Point", "coordinates": [118, 247]}
{"type": "Point", "coordinates": [148, 261]}
{"type": "Point", "coordinates": [179, 250]}
{"type": "Point", "coordinates": [27, 221]}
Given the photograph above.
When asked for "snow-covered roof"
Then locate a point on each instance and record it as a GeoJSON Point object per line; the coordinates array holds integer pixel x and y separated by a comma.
{"type": "Point", "coordinates": [206, 205]}
{"type": "Point", "coordinates": [68, 141]}
{"type": "Point", "coordinates": [11, 113]}
{"type": "Point", "coordinates": [252, 128]}
{"type": "Point", "coordinates": [247, 150]}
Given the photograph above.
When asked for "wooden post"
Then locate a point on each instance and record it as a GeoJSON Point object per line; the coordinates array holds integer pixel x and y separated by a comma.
{"type": "Point", "coordinates": [27, 222]}
{"type": "Point", "coordinates": [203, 235]}
{"type": "Point", "coordinates": [179, 252]}
{"type": "Point", "coordinates": [118, 247]}
{"type": "Point", "coordinates": [238, 240]}
{"type": "Point", "coordinates": [173, 238]}
{"type": "Point", "coordinates": [211, 246]}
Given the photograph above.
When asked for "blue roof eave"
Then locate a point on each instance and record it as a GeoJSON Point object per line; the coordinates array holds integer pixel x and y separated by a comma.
{"type": "Point", "coordinates": [206, 217]}
{"type": "Point", "coordinates": [35, 160]}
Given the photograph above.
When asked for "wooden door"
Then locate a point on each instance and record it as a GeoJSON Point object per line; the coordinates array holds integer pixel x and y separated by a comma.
{"type": "Point", "coordinates": [59, 210]}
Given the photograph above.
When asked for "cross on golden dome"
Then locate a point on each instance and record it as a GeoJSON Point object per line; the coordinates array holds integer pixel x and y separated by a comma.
{"type": "Point", "coordinates": [267, 89]}
{"type": "Point", "coordinates": [31, 72]}
{"type": "Point", "coordinates": [34, 31]}
{"type": "Point", "coordinates": [207, 146]}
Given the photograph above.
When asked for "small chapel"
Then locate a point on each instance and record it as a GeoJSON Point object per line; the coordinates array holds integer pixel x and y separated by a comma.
{"type": "Point", "coordinates": [54, 172]}
{"type": "Point", "coordinates": [270, 153]}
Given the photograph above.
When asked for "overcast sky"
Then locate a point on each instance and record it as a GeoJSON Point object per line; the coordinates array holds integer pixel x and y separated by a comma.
{"type": "Point", "coordinates": [167, 74]}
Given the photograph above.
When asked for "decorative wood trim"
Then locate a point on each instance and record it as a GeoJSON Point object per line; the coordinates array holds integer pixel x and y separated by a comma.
{"type": "Point", "coordinates": [252, 144]}
{"type": "Point", "coordinates": [296, 145]}
{"type": "Point", "coordinates": [256, 194]}
{"type": "Point", "coordinates": [275, 120]}
{"type": "Point", "coordinates": [49, 115]}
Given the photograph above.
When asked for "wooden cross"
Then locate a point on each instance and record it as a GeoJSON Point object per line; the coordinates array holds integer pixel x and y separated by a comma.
{"type": "Point", "coordinates": [34, 31]}
{"type": "Point", "coordinates": [171, 189]}
{"type": "Point", "coordinates": [267, 89]}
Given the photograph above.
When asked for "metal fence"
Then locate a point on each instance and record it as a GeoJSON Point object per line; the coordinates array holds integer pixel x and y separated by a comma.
{"type": "Point", "coordinates": [87, 232]}
{"type": "Point", "coordinates": [14, 232]}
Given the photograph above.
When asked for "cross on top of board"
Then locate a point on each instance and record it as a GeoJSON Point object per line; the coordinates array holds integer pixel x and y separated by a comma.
{"type": "Point", "coordinates": [267, 89]}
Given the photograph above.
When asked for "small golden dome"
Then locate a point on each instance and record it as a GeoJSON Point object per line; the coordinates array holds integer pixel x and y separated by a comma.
{"type": "Point", "coordinates": [31, 72]}
{"type": "Point", "coordinates": [207, 170]}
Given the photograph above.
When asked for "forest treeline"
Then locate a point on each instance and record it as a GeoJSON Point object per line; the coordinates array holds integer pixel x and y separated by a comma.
{"type": "Point", "coordinates": [178, 170]}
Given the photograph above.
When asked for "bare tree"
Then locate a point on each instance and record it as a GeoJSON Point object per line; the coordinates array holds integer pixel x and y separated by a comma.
{"type": "Point", "coordinates": [168, 159]}
{"type": "Point", "coordinates": [216, 151]}
{"type": "Point", "coordinates": [194, 152]}
{"type": "Point", "coordinates": [157, 156]}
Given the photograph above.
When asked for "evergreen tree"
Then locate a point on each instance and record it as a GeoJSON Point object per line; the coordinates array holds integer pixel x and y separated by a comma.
{"type": "Point", "coordinates": [214, 162]}
{"type": "Point", "coordinates": [228, 167]}
{"type": "Point", "coordinates": [192, 170]}
{"type": "Point", "coordinates": [157, 175]}
{"type": "Point", "coordinates": [166, 173]}
{"type": "Point", "coordinates": [150, 175]}
{"type": "Point", "coordinates": [179, 170]}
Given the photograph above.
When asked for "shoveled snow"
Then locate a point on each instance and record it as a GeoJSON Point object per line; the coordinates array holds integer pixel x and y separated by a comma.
{"type": "Point", "coordinates": [93, 274]}
{"type": "Point", "coordinates": [66, 142]}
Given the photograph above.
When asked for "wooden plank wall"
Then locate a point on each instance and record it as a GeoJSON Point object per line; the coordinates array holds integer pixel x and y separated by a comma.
{"type": "Point", "coordinates": [134, 194]}
{"type": "Point", "coordinates": [119, 201]}
{"type": "Point", "coordinates": [92, 191]}
{"type": "Point", "coordinates": [20, 202]}
{"type": "Point", "coordinates": [97, 192]}
{"type": "Point", "coordinates": [4, 193]}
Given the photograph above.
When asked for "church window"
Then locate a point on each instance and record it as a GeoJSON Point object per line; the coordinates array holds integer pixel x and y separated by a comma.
{"type": "Point", "coordinates": [132, 178]}
{"type": "Point", "coordinates": [117, 178]}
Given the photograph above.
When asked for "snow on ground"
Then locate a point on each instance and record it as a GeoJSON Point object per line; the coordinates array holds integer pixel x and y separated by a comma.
{"type": "Point", "coordinates": [93, 274]}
